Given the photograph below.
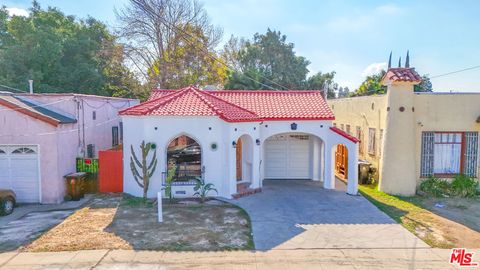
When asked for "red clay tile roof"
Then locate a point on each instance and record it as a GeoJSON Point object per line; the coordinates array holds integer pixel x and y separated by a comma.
{"type": "Point", "coordinates": [192, 102]}
{"type": "Point", "coordinates": [270, 105]}
{"type": "Point", "coordinates": [345, 134]}
{"type": "Point", "coordinates": [402, 75]}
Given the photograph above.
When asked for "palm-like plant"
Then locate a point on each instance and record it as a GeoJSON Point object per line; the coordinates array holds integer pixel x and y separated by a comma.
{"type": "Point", "coordinates": [202, 189]}
{"type": "Point", "coordinates": [168, 183]}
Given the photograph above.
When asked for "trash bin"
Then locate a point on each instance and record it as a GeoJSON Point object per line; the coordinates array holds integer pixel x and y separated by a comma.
{"type": "Point", "coordinates": [363, 172]}
{"type": "Point", "coordinates": [75, 183]}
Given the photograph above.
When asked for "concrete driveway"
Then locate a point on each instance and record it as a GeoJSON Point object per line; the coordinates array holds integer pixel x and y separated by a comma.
{"type": "Point", "coordinates": [296, 214]}
{"type": "Point", "coordinates": [29, 221]}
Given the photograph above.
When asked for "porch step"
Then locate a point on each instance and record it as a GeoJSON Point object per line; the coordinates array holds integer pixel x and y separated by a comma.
{"type": "Point", "coordinates": [246, 192]}
{"type": "Point", "coordinates": [242, 186]}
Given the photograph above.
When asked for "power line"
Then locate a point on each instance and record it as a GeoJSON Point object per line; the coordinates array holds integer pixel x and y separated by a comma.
{"type": "Point", "coordinates": [175, 29]}
{"type": "Point", "coordinates": [14, 89]}
{"type": "Point", "coordinates": [453, 72]}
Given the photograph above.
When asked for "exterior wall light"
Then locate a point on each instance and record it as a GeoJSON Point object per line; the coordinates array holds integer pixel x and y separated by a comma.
{"type": "Point", "coordinates": [234, 144]}
{"type": "Point", "coordinates": [293, 126]}
{"type": "Point", "coordinates": [257, 141]}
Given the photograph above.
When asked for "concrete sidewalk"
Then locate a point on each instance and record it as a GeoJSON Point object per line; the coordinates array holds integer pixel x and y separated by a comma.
{"type": "Point", "coordinates": [274, 259]}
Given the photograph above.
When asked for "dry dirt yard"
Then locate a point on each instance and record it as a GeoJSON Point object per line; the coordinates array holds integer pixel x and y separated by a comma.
{"type": "Point", "coordinates": [456, 224]}
{"type": "Point", "coordinates": [116, 222]}
{"type": "Point", "coordinates": [462, 210]}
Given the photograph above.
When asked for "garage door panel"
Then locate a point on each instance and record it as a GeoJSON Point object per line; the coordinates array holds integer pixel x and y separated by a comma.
{"type": "Point", "coordinates": [287, 157]}
{"type": "Point", "coordinates": [19, 171]}
{"type": "Point", "coordinates": [24, 167]}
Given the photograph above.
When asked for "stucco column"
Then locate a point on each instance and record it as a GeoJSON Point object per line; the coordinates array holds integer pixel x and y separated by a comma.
{"type": "Point", "coordinates": [232, 159]}
{"type": "Point", "coordinates": [329, 178]}
{"type": "Point", "coordinates": [352, 186]}
{"type": "Point", "coordinates": [256, 166]}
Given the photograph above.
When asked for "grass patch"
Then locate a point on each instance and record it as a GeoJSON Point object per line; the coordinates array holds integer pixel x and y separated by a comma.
{"type": "Point", "coordinates": [405, 211]}
{"type": "Point", "coordinates": [132, 201]}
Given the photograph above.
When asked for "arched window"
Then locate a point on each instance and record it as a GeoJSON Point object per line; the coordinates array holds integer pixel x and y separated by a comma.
{"type": "Point", "coordinates": [184, 157]}
{"type": "Point", "coordinates": [23, 150]}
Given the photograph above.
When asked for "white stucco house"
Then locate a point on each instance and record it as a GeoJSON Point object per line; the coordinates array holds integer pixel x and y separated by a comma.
{"type": "Point", "coordinates": [235, 139]}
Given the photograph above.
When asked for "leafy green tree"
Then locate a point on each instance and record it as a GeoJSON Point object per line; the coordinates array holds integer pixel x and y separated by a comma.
{"type": "Point", "coordinates": [372, 85]}
{"type": "Point", "coordinates": [270, 61]}
{"type": "Point", "coordinates": [320, 81]}
{"type": "Point", "coordinates": [62, 54]}
{"type": "Point", "coordinates": [424, 86]}
{"type": "Point", "coordinates": [188, 63]}
{"type": "Point", "coordinates": [343, 92]}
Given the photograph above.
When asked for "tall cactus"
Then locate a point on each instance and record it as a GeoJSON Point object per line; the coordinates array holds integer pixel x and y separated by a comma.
{"type": "Point", "coordinates": [143, 180]}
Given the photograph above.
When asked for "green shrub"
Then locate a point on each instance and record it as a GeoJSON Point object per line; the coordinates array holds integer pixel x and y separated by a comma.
{"type": "Point", "coordinates": [464, 186]}
{"type": "Point", "coordinates": [435, 187]}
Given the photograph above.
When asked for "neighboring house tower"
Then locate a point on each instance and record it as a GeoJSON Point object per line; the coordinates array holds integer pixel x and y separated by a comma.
{"type": "Point", "coordinates": [398, 152]}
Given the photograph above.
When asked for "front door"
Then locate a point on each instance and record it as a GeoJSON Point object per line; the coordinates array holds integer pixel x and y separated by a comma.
{"type": "Point", "coordinates": [341, 162]}
{"type": "Point", "coordinates": [239, 159]}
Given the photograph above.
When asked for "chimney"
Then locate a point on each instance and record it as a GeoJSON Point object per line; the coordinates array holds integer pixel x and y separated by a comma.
{"type": "Point", "coordinates": [30, 84]}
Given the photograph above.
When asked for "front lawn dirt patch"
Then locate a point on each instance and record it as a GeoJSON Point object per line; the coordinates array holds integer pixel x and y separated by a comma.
{"type": "Point", "coordinates": [462, 210]}
{"type": "Point", "coordinates": [126, 223]}
{"type": "Point", "coordinates": [435, 230]}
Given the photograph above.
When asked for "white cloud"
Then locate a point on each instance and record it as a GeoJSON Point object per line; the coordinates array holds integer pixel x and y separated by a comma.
{"type": "Point", "coordinates": [17, 12]}
{"type": "Point", "coordinates": [388, 9]}
{"type": "Point", "coordinates": [374, 68]}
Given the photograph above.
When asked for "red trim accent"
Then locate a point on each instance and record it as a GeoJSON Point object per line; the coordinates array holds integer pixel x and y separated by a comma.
{"type": "Point", "coordinates": [344, 134]}
{"type": "Point", "coordinates": [30, 113]}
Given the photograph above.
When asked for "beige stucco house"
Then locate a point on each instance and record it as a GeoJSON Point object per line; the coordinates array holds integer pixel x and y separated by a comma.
{"type": "Point", "coordinates": [409, 136]}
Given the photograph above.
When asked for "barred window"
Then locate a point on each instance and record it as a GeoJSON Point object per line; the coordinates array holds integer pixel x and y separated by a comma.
{"type": "Point", "coordinates": [449, 153]}
{"type": "Point", "coordinates": [359, 136]}
{"type": "Point", "coordinates": [371, 141]}
{"type": "Point", "coordinates": [380, 142]}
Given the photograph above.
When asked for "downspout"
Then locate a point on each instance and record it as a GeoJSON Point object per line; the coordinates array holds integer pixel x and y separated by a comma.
{"type": "Point", "coordinates": [79, 145]}
{"type": "Point", "coordinates": [83, 129]}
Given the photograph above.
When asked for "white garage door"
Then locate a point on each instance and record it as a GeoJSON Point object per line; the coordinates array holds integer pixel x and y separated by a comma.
{"type": "Point", "coordinates": [19, 171]}
{"type": "Point", "coordinates": [287, 157]}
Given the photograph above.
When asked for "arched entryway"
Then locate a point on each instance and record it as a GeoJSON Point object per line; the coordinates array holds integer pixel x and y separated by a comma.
{"type": "Point", "coordinates": [244, 159]}
{"type": "Point", "coordinates": [343, 168]}
{"type": "Point", "coordinates": [293, 155]}
{"type": "Point", "coordinates": [184, 160]}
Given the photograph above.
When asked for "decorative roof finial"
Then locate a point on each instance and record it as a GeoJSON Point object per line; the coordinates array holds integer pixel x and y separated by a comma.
{"type": "Point", "coordinates": [390, 60]}
{"type": "Point", "coordinates": [407, 60]}
{"type": "Point", "coordinates": [400, 62]}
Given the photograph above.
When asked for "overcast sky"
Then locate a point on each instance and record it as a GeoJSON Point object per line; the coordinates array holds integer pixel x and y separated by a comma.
{"type": "Point", "coordinates": [353, 38]}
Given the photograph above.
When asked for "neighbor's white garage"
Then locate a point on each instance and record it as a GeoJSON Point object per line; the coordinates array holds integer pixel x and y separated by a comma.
{"type": "Point", "coordinates": [287, 156]}
{"type": "Point", "coordinates": [19, 171]}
